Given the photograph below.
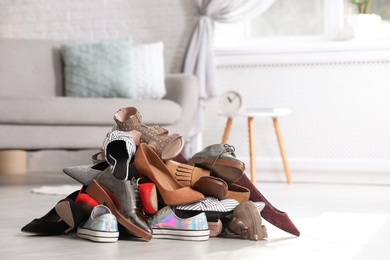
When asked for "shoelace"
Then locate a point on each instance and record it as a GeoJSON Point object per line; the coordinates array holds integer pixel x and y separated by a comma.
{"type": "Point", "coordinates": [134, 183]}
{"type": "Point", "coordinates": [227, 149]}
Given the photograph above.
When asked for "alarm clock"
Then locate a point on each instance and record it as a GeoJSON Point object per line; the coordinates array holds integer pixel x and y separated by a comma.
{"type": "Point", "coordinates": [230, 102]}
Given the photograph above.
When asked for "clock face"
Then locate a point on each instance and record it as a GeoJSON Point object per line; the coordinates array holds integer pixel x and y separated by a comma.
{"type": "Point", "coordinates": [230, 102]}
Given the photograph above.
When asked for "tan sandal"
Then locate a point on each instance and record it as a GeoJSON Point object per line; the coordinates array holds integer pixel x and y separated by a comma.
{"type": "Point", "coordinates": [166, 146]}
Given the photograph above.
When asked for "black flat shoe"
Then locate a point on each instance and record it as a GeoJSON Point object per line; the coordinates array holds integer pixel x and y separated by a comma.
{"type": "Point", "coordinates": [61, 219]}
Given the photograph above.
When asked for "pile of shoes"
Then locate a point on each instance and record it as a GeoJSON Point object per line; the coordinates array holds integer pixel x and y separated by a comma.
{"type": "Point", "coordinates": [139, 185]}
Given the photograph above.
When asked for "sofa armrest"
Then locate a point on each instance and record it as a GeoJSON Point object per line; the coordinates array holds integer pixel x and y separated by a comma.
{"type": "Point", "coordinates": [183, 89]}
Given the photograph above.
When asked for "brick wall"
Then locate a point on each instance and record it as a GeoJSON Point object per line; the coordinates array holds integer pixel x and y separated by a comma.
{"type": "Point", "coordinates": [170, 21]}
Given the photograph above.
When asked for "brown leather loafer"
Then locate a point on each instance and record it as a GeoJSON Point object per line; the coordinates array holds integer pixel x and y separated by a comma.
{"type": "Point", "coordinates": [237, 192]}
{"type": "Point", "coordinates": [221, 161]}
{"type": "Point", "coordinates": [212, 187]}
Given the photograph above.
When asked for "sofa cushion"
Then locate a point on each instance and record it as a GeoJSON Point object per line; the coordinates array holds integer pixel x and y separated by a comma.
{"type": "Point", "coordinates": [147, 70]}
{"type": "Point", "coordinates": [83, 111]}
{"type": "Point", "coordinates": [30, 68]}
{"type": "Point", "coordinates": [100, 69]}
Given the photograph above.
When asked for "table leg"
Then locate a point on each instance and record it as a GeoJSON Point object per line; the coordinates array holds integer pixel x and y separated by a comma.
{"type": "Point", "coordinates": [229, 123]}
{"type": "Point", "coordinates": [252, 150]}
{"type": "Point", "coordinates": [282, 151]}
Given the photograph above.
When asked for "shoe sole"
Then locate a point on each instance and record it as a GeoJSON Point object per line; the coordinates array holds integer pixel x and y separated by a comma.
{"type": "Point", "coordinates": [101, 196]}
{"type": "Point", "coordinates": [188, 235]}
{"type": "Point", "coordinates": [229, 171]}
{"type": "Point", "coordinates": [97, 236]}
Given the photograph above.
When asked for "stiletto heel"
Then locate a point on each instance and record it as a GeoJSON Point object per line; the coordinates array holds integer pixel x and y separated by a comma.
{"type": "Point", "coordinates": [64, 210]}
{"type": "Point", "coordinates": [149, 164]}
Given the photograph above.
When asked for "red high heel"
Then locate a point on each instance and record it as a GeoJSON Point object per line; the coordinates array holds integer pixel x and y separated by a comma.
{"type": "Point", "coordinates": [148, 195]}
{"type": "Point", "coordinates": [85, 202]}
{"type": "Point", "coordinates": [274, 216]}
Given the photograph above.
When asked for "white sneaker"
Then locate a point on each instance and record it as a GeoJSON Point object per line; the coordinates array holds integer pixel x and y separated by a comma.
{"type": "Point", "coordinates": [101, 226]}
{"type": "Point", "coordinates": [166, 224]}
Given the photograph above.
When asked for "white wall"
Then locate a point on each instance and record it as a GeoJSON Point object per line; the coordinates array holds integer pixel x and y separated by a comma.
{"type": "Point", "coordinates": [340, 102]}
{"type": "Point", "coordinates": [170, 21]}
{"type": "Point", "coordinates": [341, 110]}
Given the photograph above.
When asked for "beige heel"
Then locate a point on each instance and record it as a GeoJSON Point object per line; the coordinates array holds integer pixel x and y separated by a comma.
{"type": "Point", "coordinates": [64, 211]}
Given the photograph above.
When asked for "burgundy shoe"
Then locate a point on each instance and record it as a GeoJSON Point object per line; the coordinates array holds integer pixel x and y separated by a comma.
{"type": "Point", "coordinates": [274, 216]}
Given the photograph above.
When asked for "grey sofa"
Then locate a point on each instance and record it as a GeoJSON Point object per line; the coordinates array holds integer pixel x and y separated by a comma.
{"type": "Point", "coordinates": [35, 114]}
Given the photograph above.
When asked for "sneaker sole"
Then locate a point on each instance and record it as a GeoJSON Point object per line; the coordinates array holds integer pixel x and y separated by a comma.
{"type": "Point", "coordinates": [97, 236]}
{"type": "Point", "coordinates": [189, 235]}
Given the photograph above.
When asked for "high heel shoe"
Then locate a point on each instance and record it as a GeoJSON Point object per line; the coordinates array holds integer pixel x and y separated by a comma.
{"type": "Point", "coordinates": [119, 148]}
{"type": "Point", "coordinates": [61, 219]}
{"type": "Point", "coordinates": [274, 216]}
{"type": "Point", "coordinates": [149, 164]}
{"type": "Point", "coordinates": [121, 196]}
{"type": "Point", "coordinates": [166, 146]}
{"type": "Point", "coordinates": [85, 202]}
{"type": "Point", "coordinates": [148, 197]}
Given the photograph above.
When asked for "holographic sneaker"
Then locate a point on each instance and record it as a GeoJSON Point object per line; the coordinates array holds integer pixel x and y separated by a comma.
{"type": "Point", "coordinates": [101, 226]}
{"type": "Point", "coordinates": [166, 224]}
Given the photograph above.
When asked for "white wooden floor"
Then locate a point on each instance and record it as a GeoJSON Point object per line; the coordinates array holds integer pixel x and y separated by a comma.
{"type": "Point", "coordinates": [337, 221]}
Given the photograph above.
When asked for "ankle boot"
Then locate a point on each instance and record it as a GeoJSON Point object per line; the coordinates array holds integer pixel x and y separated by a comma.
{"type": "Point", "coordinates": [246, 222]}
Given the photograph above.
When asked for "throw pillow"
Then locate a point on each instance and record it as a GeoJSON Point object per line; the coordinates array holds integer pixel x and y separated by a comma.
{"type": "Point", "coordinates": [147, 71]}
{"type": "Point", "coordinates": [98, 69]}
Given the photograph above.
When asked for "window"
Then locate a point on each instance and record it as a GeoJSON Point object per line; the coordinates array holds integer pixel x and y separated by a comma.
{"type": "Point", "coordinates": [297, 21]}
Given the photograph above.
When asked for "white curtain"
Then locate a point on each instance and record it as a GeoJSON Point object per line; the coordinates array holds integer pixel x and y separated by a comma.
{"type": "Point", "coordinates": [199, 59]}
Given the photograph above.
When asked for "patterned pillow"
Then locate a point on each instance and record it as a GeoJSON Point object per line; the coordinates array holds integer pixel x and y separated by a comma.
{"type": "Point", "coordinates": [147, 71]}
{"type": "Point", "coordinates": [100, 69]}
